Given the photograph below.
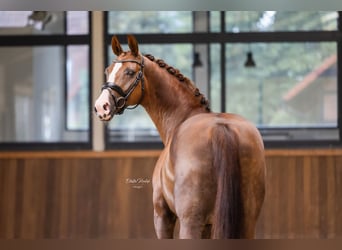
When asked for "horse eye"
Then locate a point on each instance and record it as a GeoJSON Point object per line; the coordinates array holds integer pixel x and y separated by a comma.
{"type": "Point", "coordinates": [129, 72]}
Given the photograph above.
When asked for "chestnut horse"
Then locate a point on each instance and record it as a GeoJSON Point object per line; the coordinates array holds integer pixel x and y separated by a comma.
{"type": "Point", "coordinates": [211, 173]}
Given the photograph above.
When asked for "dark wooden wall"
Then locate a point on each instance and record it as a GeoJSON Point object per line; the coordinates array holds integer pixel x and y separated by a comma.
{"type": "Point", "coordinates": [98, 195]}
{"type": "Point", "coordinates": [304, 195]}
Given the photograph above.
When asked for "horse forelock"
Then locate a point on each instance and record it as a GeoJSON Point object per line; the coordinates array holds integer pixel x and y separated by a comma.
{"type": "Point", "coordinates": [181, 78]}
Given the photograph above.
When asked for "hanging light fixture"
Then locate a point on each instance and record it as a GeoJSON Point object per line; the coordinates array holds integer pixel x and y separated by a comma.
{"type": "Point", "coordinates": [249, 63]}
{"type": "Point", "coordinates": [197, 60]}
{"type": "Point", "coordinates": [38, 19]}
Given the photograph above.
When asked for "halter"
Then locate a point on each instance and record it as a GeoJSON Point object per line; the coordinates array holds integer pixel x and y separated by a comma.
{"type": "Point", "coordinates": [120, 102]}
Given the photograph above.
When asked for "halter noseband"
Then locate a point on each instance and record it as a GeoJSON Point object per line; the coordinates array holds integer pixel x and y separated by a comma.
{"type": "Point", "coordinates": [120, 102]}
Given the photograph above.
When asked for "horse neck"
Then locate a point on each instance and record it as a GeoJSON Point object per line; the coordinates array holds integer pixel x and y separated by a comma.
{"type": "Point", "coordinates": [168, 100]}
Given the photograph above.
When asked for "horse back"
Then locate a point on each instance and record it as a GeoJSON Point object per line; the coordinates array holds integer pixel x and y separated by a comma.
{"type": "Point", "coordinates": [199, 130]}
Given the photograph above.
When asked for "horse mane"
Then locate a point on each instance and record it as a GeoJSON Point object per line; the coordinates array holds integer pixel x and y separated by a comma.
{"type": "Point", "coordinates": [181, 78]}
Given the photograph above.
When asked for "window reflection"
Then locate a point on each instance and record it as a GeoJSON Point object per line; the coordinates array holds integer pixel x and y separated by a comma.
{"type": "Point", "coordinates": [293, 85]}
{"type": "Point", "coordinates": [44, 90]}
{"type": "Point", "coordinates": [43, 22]}
{"type": "Point", "coordinates": [77, 87]}
{"type": "Point", "coordinates": [268, 21]}
{"type": "Point", "coordinates": [149, 22]}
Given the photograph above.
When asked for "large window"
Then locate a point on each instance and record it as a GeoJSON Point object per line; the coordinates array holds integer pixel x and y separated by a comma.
{"type": "Point", "coordinates": [44, 79]}
{"type": "Point", "coordinates": [291, 93]}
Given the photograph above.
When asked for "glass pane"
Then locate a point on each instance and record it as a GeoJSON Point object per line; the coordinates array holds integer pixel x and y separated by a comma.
{"type": "Point", "coordinates": [9, 19]}
{"type": "Point", "coordinates": [136, 125]}
{"type": "Point", "coordinates": [31, 22]}
{"type": "Point", "coordinates": [77, 22]}
{"type": "Point", "coordinates": [245, 21]}
{"type": "Point", "coordinates": [215, 21]}
{"type": "Point", "coordinates": [32, 95]}
{"type": "Point", "coordinates": [215, 77]}
{"type": "Point", "coordinates": [78, 87]}
{"type": "Point", "coordinates": [149, 22]}
{"type": "Point", "coordinates": [292, 85]}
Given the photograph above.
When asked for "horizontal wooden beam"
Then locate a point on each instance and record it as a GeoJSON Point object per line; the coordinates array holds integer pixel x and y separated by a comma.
{"type": "Point", "coordinates": [152, 153]}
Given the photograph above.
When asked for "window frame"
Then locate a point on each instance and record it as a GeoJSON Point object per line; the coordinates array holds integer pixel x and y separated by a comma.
{"type": "Point", "coordinates": [63, 40]}
{"type": "Point", "coordinates": [222, 38]}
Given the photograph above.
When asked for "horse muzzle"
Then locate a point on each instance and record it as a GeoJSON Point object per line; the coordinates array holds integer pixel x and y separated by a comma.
{"type": "Point", "coordinates": [107, 105]}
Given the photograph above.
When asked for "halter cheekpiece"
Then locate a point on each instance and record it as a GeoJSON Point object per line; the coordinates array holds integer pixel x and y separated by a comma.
{"type": "Point", "coordinates": [120, 102]}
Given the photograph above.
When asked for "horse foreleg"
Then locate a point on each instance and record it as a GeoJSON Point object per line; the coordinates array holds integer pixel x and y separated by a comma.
{"type": "Point", "coordinates": [164, 218]}
{"type": "Point", "coordinates": [164, 221]}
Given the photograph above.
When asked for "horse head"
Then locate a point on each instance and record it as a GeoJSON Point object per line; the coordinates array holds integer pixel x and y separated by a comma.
{"type": "Point", "coordinates": [123, 76]}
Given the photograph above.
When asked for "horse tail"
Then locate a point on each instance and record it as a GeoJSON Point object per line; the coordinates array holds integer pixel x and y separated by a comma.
{"type": "Point", "coordinates": [228, 211]}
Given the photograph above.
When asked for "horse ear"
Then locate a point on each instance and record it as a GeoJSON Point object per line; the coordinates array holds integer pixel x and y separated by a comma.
{"type": "Point", "coordinates": [133, 45]}
{"type": "Point", "coordinates": [116, 46]}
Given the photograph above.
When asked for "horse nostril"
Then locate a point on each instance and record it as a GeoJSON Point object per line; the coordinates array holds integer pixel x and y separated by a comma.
{"type": "Point", "coordinates": [105, 106]}
{"type": "Point", "coordinates": [104, 115]}
{"type": "Point", "coordinates": [95, 109]}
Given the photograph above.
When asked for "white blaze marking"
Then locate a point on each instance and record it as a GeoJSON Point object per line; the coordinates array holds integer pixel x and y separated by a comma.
{"type": "Point", "coordinates": [116, 68]}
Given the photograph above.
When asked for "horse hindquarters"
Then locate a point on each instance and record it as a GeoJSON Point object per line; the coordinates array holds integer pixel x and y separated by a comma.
{"type": "Point", "coordinates": [228, 212]}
